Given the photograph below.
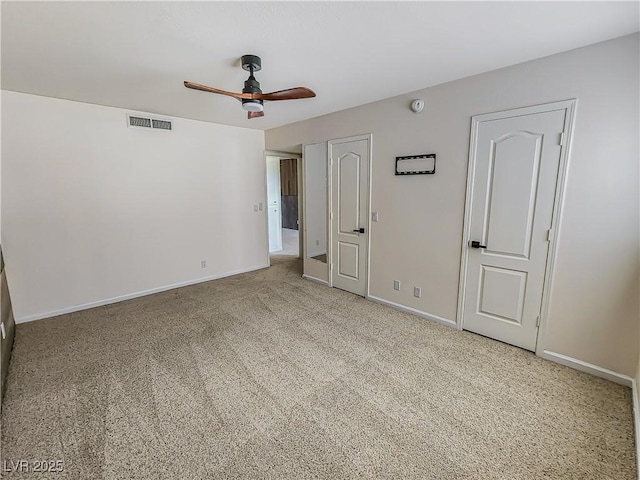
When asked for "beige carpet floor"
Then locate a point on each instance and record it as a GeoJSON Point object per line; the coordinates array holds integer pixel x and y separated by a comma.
{"type": "Point", "coordinates": [266, 375]}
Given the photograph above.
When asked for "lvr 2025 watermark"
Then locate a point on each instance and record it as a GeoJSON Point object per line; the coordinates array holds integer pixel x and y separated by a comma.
{"type": "Point", "coordinates": [33, 466]}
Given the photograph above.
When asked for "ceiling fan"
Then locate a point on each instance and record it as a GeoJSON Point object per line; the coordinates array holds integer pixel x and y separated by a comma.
{"type": "Point", "coordinates": [252, 97]}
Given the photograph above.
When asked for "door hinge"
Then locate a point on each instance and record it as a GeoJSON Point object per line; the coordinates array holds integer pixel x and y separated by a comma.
{"type": "Point", "coordinates": [538, 322]}
{"type": "Point", "coordinates": [550, 235]}
{"type": "Point", "coordinates": [561, 141]}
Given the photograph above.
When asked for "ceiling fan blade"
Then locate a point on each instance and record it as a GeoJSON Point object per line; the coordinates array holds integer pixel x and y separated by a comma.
{"type": "Point", "coordinates": [288, 94]}
{"type": "Point", "coordinates": [251, 115]}
{"type": "Point", "coordinates": [205, 88]}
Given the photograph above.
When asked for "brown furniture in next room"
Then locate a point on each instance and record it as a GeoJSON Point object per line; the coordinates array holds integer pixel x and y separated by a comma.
{"type": "Point", "coordinates": [289, 192]}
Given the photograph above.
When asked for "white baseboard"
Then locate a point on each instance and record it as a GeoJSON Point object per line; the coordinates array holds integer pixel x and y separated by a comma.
{"type": "Point", "coordinates": [636, 419]}
{"type": "Point", "coordinates": [129, 296]}
{"type": "Point", "coordinates": [588, 368]}
{"type": "Point", "coordinates": [420, 313]}
{"type": "Point", "coordinates": [316, 280]}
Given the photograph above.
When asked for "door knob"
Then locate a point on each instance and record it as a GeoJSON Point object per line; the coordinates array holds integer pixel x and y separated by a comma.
{"type": "Point", "coordinates": [359, 230]}
{"type": "Point", "coordinates": [475, 244]}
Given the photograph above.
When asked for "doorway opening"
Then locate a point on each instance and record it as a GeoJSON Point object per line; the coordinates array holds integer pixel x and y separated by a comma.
{"type": "Point", "coordinates": [289, 206]}
{"type": "Point", "coordinates": [283, 203]}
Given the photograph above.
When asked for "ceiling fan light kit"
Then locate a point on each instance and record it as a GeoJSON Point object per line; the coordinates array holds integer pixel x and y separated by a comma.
{"type": "Point", "coordinates": [252, 97]}
{"type": "Point", "coordinates": [252, 105]}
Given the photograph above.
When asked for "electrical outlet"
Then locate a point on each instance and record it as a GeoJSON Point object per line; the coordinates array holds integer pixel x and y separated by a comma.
{"type": "Point", "coordinates": [374, 216]}
{"type": "Point", "coordinates": [417, 292]}
{"type": "Point", "coordinates": [255, 208]}
{"type": "Point", "coordinates": [396, 285]}
{"type": "Point", "coordinates": [203, 264]}
{"type": "Point", "coordinates": [317, 243]}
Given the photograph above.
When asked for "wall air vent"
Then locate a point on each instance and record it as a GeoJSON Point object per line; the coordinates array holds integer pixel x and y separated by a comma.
{"type": "Point", "coordinates": [139, 122]}
{"type": "Point", "coordinates": [161, 124]}
{"type": "Point", "coordinates": [136, 121]}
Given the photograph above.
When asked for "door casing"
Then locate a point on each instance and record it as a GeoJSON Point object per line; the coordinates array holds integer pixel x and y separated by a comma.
{"type": "Point", "coordinates": [330, 143]}
{"type": "Point", "coordinates": [565, 153]}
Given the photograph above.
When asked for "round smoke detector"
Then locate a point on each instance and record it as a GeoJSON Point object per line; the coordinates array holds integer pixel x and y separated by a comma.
{"type": "Point", "coordinates": [417, 105]}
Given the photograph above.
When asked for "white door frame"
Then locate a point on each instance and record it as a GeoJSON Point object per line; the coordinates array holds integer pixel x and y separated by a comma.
{"type": "Point", "coordinates": [265, 211]}
{"type": "Point", "coordinates": [565, 154]}
{"type": "Point", "coordinates": [330, 143]}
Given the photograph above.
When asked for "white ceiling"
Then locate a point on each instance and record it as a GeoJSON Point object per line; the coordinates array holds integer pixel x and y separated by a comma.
{"type": "Point", "coordinates": [136, 55]}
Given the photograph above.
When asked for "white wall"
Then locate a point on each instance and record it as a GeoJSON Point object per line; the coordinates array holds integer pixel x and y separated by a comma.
{"type": "Point", "coordinates": [315, 177]}
{"type": "Point", "coordinates": [594, 303]}
{"type": "Point", "coordinates": [93, 210]}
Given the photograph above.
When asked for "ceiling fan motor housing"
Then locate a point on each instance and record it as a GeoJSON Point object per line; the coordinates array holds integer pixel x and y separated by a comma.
{"type": "Point", "coordinates": [251, 85]}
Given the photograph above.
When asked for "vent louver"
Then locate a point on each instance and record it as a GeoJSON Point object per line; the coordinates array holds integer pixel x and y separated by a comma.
{"type": "Point", "coordinates": [140, 122]}
{"type": "Point", "coordinates": [161, 124]}
{"type": "Point", "coordinates": [136, 121]}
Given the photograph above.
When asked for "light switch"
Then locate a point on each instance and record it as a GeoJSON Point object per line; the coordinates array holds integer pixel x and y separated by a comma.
{"type": "Point", "coordinates": [374, 216]}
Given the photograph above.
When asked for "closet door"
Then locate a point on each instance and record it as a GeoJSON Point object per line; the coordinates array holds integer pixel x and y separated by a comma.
{"type": "Point", "coordinates": [350, 165]}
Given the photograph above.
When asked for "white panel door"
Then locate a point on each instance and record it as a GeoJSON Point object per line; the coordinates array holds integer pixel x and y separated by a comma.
{"type": "Point", "coordinates": [274, 215]}
{"type": "Point", "coordinates": [350, 204]}
{"type": "Point", "coordinates": [514, 184]}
